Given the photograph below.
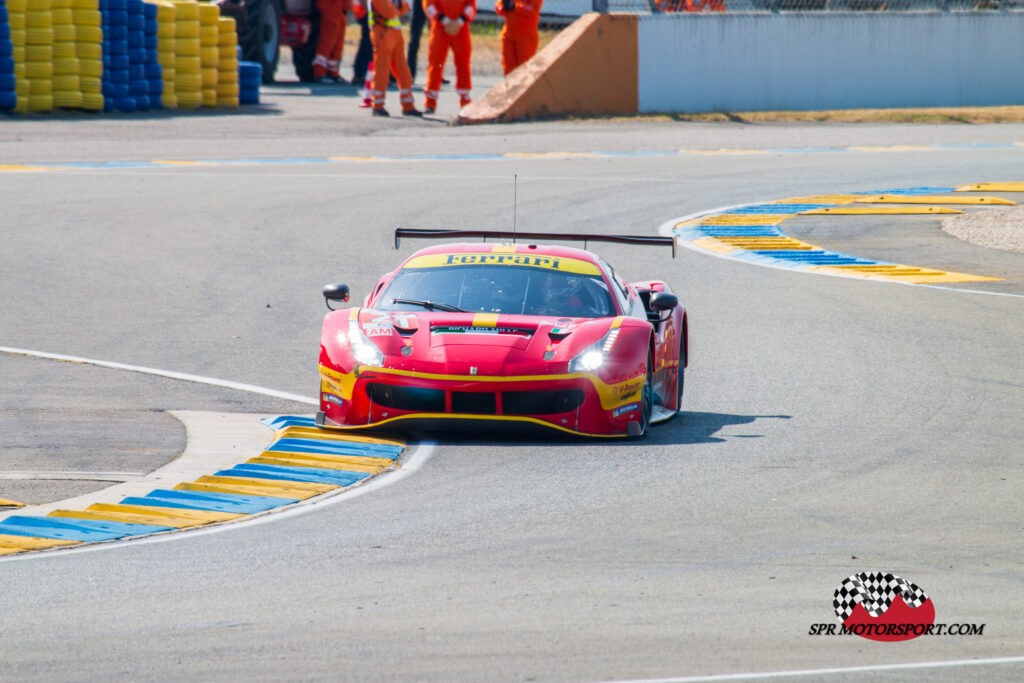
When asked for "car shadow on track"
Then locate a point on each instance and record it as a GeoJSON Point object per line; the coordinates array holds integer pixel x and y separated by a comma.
{"type": "Point", "coordinates": [686, 428]}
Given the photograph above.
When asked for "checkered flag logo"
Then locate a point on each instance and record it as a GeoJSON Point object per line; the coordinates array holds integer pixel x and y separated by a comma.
{"type": "Point", "coordinates": [875, 592]}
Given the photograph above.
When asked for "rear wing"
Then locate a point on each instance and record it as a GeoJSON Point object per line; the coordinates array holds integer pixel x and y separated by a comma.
{"type": "Point", "coordinates": [441, 233]}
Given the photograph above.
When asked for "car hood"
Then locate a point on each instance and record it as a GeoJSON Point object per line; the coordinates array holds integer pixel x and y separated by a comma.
{"type": "Point", "coordinates": [481, 343]}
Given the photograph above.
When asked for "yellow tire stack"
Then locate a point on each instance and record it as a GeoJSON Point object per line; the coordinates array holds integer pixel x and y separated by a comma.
{"type": "Point", "coordinates": [227, 68]}
{"type": "Point", "coordinates": [209, 56]}
{"type": "Point", "coordinates": [188, 80]}
{"type": "Point", "coordinates": [87, 19]}
{"type": "Point", "coordinates": [67, 89]}
{"type": "Point", "coordinates": [39, 54]}
{"type": "Point", "coordinates": [167, 48]}
{"type": "Point", "coordinates": [16, 17]}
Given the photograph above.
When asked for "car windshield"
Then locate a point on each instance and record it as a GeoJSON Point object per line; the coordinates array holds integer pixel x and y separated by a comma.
{"type": "Point", "coordinates": [498, 289]}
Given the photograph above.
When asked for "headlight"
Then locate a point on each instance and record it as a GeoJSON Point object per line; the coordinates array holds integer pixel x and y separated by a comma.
{"type": "Point", "coordinates": [593, 357]}
{"type": "Point", "coordinates": [364, 350]}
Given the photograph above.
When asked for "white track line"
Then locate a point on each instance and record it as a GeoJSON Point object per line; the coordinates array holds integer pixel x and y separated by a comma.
{"type": "Point", "coordinates": [163, 373]}
{"type": "Point", "coordinates": [837, 670]}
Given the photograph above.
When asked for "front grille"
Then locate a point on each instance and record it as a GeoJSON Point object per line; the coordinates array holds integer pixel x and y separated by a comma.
{"type": "Point", "coordinates": [407, 398]}
{"type": "Point", "coordinates": [479, 402]}
{"type": "Point", "coordinates": [541, 402]}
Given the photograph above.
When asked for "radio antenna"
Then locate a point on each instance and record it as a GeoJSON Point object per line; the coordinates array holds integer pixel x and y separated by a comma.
{"type": "Point", "coordinates": [515, 202]}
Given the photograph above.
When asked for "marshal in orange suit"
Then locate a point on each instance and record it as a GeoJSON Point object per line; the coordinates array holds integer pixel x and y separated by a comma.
{"type": "Point", "coordinates": [389, 55]}
{"type": "Point", "coordinates": [519, 36]}
{"type": "Point", "coordinates": [449, 30]}
{"type": "Point", "coordinates": [333, 18]}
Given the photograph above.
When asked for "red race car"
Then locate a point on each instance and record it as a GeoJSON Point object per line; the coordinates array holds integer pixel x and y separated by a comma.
{"type": "Point", "coordinates": [505, 331]}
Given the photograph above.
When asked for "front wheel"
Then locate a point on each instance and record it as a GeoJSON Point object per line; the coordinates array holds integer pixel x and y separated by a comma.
{"type": "Point", "coordinates": [638, 430]}
{"type": "Point", "coordinates": [680, 376]}
{"type": "Point", "coordinates": [261, 41]}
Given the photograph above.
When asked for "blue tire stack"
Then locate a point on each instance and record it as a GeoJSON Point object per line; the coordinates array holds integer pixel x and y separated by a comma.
{"type": "Point", "coordinates": [116, 86]}
{"type": "Point", "coordinates": [138, 86]}
{"type": "Point", "coordinates": [154, 72]}
{"type": "Point", "coordinates": [8, 98]}
{"type": "Point", "coordinates": [250, 77]}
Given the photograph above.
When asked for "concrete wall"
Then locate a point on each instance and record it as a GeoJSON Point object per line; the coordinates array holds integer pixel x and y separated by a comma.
{"type": "Point", "coordinates": [764, 62]}
{"type": "Point", "coordinates": [590, 68]}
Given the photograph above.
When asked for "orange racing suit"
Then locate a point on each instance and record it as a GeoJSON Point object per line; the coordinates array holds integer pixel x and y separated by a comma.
{"type": "Point", "coordinates": [389, 52]}
{"type": "Point", "coordinates": [519, 35]}
{"type": "Point", "coordinates": [449, 29]}
{"type": "Point", "coordinates": [329, 46]}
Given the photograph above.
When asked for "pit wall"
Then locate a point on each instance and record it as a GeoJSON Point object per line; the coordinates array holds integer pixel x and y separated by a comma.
{"type": "Point", "coordinates": [809, 61]}
{"type": "Point", "coordinates": [607, 64]}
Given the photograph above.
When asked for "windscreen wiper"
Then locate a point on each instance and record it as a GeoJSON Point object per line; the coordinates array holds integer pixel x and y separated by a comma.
{"type": "Point", "coordinates": [430, 305]}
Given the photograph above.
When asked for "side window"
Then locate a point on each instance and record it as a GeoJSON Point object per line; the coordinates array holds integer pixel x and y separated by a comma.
{"type": "Point", "coordinates": [618, 287]}
{"type": "Point", "coordinates": [619, 283]}
{"type": "Point", "coordinates": [632, 307]}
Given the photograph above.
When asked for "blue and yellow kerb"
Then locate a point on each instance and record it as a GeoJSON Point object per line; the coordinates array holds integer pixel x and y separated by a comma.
{"type": "Point", "coordinates": [753, 233]}
{"type": "Point", "coordinates": [302, 463]}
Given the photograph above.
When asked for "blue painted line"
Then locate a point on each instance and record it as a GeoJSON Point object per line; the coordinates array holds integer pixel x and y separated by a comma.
{"type": "Point", "coordinates": [695, 232]}
{"type": "Point", "coordinates": [56, 534]}
{"type": "Point", "coordinates": [362, 448]}
{"type": "Point", "coordinates": [510, 156]}
{"type": "Point", "coordinates": [747, 231]}
{"type": "Point", "coordinates": [314, 475]}
{"type": "Point", "coordinates": [107, 164]}
{"type": "Point", "coordinates": [75, 530]}
{"type": "Point", "coordinates": [283, 421]}
{"type": "Point", "coordinates": [221, 502]}
{"type": "Point", "coordinates": [814, 256]}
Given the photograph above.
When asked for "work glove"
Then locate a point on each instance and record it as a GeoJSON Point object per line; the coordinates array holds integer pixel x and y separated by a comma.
{"type": "Point", "coordinates": [453, 26]}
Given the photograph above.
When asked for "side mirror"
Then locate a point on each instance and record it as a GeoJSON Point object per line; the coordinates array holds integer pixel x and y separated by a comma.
{"type": "Point", "coordinates": [663, 301]}
{"type": "Point", "coordinates": [335, 292]}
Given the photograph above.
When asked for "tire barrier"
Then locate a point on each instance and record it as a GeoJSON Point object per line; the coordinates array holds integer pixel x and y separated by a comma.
{"type": "Point", "coordinates": [250, 77]}
{"type": "Point", "coordinates": [8, 81]}
{"type": "Point", "coordinates": [118, 56]}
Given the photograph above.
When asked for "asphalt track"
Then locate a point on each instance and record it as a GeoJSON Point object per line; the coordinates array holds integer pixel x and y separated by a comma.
{"type": "Point", "coordinates": [831, 425]}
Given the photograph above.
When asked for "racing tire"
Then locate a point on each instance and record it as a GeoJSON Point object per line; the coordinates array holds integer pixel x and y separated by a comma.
{"type": "Point", "coordinates": [681, 370]}
{"type": "Point", "coordinates": [303, 55]}
{"type": "Point", "coordinates": [261, 39]}
{"type": "Point", "coordinates": [646, 401]}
